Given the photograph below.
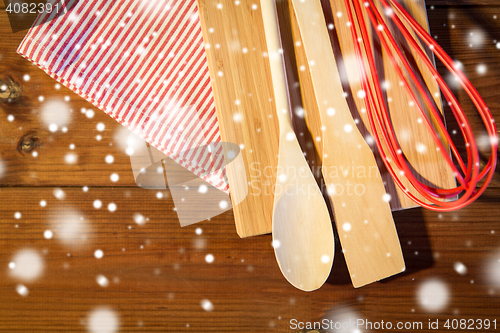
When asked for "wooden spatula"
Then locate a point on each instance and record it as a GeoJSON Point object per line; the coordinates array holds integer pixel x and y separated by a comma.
{"type": "Point", "coordinates": [302, 230]}
{"type": "Point", "coordinates": [362, 212]}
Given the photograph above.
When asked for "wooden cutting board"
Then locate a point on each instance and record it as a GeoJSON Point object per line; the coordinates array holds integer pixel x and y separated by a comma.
{"type": "Point", "coordinates": [243, 90]}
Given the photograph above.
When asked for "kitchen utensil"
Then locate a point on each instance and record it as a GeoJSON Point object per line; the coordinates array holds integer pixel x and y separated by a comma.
{"type": "Point", "coordinates": [427, 161]}
{"type": "Point", "coordinates": [302, 230]}
{"type": "Point", "coordinates": [472, 173]}
{"type": "Point", "coordinates": [361, 205]}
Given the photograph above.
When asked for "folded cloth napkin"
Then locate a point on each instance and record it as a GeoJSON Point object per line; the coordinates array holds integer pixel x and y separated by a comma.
{"type": "Point", "coordinates": [143, 63]}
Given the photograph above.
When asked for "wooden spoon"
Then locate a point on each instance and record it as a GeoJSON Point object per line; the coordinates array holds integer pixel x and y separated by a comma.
{"type": "Point", "coordinates": [302, 229]}
{"type": "Point", "coordinates": [363, 216]}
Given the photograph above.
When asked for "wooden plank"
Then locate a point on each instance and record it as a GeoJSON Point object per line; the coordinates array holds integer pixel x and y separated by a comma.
{"type": "Point", "coordinates": [160, 287]}
{"type": "Point", "coordinates": [246, 112]}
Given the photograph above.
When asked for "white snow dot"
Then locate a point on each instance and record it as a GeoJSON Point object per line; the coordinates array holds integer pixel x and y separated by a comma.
{"type": "Point", "coordinates": [97, 204]}
{"type": "Point", "coordinates": [421, 148]}
{"type": "Point", "coordinates": [27, 265]}
{"type": "Point", "coordinates": [98, 254]}
{"type": "Point", "coordinates": [207, 305]}
{"type": "Point", "coordinates": [53, 128]}
{"type": "Point", "coordinates": [103, 320]}
{"type": "Point", "coordinates": [70, 158]}
{"type": "Point", "coordinates": [26, 77]}
{"type": "Point", "coordinates": [114, 177]}
{"type": "Point", "coordinates": [48, 234]}
{"type": "Point", "coordinates": [109, 159]}
{"type": "Point", "coordinates": [237, 117]}
{"type": "Point", "coordinates": [198, 231]}
{"type": "Point", "coordinates": [129, 151]}
{"type": "Point", "coordinates": [10, 118]}
{"type": "Point", "coordinates": [43, 203]}
{"type": "Point", "coordinates": [282, 178]}
{"type": "Point", "coordinates": [223, 204]}
{"type": "Point", "coordinates": [59, 194]}
{"type": "Point", "coordinates": [100, 127]}
{"type": "Point", "coordinates": [348, 128]}
{"type": "Point", "coordinates": [17, 215]}
{"type": "Point", "coordinates": [325, 258]}
{"type": "Point", "coordinates": [386, 197]}
{"type": "Point", "coordinates": [290, 136]}
{"type": "Point", "coordinates": [361, 94]}
{"type": "Point", "coordinates": [22, 290]}
{"type": "Point", "coordinates": [460, 268]}
{"type": "Point", "coordinates": [209, 258]}
{"type": "Point", "coordinates": [112, 207]}
{"type": "Point", "coordinates": [102, 281]}
{"type": "Point", "coordinates": [330, 112]}
{"type": "Point", "coordinates": [347, 226]}
{"type": "Point", "coordinates": [275, 243]}
{"type": "Point", "coordinates": [299, 112]}
{"type": "Point", "coordinates": [481, 69]}
{"type": "Point", "coordinates": [433, 295]}
{"type": "Point", "coordinates": [203, 189]}
{"type": "Point", "coordinates": [159, 195]}
{"type": "Point", "coordinates": [139, 219]}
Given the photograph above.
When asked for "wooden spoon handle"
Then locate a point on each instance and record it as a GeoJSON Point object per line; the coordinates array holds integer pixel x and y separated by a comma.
{"type": "Point", "coordinates": [274, 52]}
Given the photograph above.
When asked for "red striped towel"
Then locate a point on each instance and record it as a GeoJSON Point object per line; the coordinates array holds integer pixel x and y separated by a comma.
{"type": "Point", "coordinates": [143, 63]}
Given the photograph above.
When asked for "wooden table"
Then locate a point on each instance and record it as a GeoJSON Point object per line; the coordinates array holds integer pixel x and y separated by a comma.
{"type": "Point", "coordinates": [156, 276]}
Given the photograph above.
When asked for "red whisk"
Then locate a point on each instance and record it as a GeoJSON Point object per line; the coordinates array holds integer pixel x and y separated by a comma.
{"type": "Point", "coordinates": [379, 118]}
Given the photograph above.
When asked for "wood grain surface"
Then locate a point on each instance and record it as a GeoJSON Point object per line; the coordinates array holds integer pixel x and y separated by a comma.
{"type": "Point", "coordinates": [158, 277]}
{"type": "Point", "coordinates": [244, 100]}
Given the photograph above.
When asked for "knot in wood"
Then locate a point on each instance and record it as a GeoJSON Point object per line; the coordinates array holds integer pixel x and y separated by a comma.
{"type": "Point", "coordinates": [9, 90]}
{"type": "Point", "coordinates": [27, 143]}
